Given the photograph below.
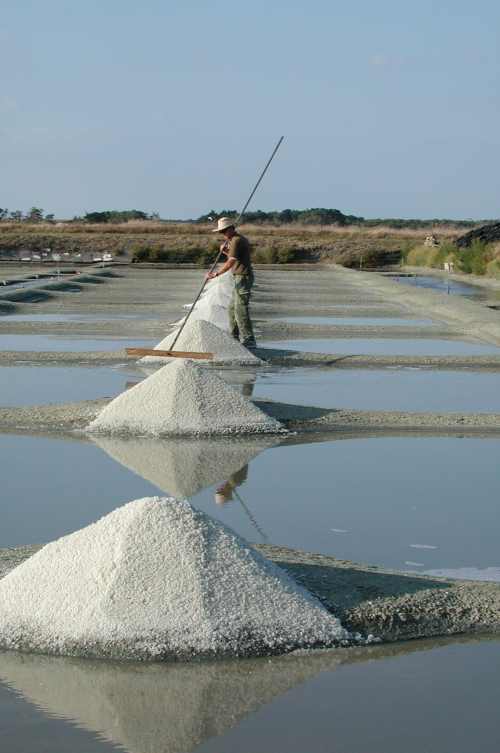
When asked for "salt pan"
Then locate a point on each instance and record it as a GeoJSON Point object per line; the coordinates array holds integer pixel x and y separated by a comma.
{"type": "Point", "coordinates": [182, 398]}
{"type": "Point", "coordinates": [156, 579]}
{"type": "Point", "coordinates": [200, 336]}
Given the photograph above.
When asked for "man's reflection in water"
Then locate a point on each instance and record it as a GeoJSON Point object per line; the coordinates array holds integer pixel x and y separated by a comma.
{"type": "Point", "coordinates": [247, 388]}
{"type": "Point", "coordinates": [224, 492]}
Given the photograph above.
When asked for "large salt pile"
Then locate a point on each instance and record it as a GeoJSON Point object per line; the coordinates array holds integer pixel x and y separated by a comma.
{"type": "Point", "coordinates": [208, 312]}
{"type": "Point", "coordinates": [199, 336]}
{"type": "Point", "coordinates": [214, 303]}
{"type": "Point", "coordinates": [182, 398]}
{"type": "Point", "coordinates": [157, 579]}
{"type": "Point", "coordinates": [181, 467]}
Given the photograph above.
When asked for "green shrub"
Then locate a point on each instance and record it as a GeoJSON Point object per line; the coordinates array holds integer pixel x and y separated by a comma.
{"type": "Point", "coordinates": [162, 255]}
{"type": "Point", "coordinates": [493, 268]}
{"type": "Point", "coordinates": [207, 258]}
{"type": "Point", "coordinates": [265, 255]}
{"type": "Point", "coordinates": [447, 252]}
{"type": "Point", "coordinates": [287, 255]}
{"type": "Point", "coordinates": [275, 255]}
{"type": "Point", "coordinates": [474, 259]}
{"type": "Point", "coordinates": [140, 253]}
{"type": "Point", "coordinates": [406, 247]}
{"type": "Point", "coordinates": [418, 256]}
{"type": "Point", "coordinates": [432, 256]}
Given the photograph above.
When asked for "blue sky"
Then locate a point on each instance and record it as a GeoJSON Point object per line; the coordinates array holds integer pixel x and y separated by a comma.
{"type": "Point", "coordinates": [388, 108]}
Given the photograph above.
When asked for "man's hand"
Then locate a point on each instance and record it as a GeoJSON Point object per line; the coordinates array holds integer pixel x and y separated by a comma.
{"type": "Point", "coordinates": [211, 275]}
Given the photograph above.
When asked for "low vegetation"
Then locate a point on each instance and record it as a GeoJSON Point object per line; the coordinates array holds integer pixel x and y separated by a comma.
{"type": "Point", "coordinates": [478, 258]}
{"type": "Point", "coordinates": [150, 241]}
{"type": "Point", "coordinates": [277, 237]}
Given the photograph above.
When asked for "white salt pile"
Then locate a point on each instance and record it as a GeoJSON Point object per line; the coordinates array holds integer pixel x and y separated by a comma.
{"type": "Point", "coordinates": [214, 302]}
{"type": "Point", "coordinates": [181, 467]}
{"type": "Point", "coordinates": [182, 398]}
{"type": "Point", "coordinates": [157, 579]}
{"type": "Point", "coordinates": [216, 315]}
{"type": "Point", "coordinates": [199, 336]}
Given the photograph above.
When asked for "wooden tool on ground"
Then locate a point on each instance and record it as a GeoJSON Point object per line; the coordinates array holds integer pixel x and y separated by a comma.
{"type": "Point", "coordinates": [169, 353]}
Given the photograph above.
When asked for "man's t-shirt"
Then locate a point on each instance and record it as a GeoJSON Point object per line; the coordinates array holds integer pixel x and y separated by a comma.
{"type": "Point", "coordinates": [239, 249]}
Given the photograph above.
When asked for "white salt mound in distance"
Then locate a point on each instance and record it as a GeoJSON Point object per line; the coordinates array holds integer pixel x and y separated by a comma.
{"type": "Point", "coordinates": [182, 398]}
{"type": "Point", "coordinates": [157, 579]}
{"type": "Point", "coordinates": [199, 336]}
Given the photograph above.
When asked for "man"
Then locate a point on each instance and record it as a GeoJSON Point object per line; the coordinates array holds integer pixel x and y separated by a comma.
{"type": "Point", "coordinates": [238, 262]}
{"type": "Point", "coordinates": [224, 492]}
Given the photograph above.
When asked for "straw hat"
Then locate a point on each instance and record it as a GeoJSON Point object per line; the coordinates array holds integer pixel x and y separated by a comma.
{"type": "Point", "coordinates": [222, 224]}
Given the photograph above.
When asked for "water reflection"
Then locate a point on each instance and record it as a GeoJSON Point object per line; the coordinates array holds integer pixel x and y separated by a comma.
{"type": "Point", "coordinates": [155, 708]}
{"type": "Point", "coordinates": [363, 499]}
{"type": "Point", "coordinates": [176, 708]}
{"type": "Point", "coordinates": [182, 467]}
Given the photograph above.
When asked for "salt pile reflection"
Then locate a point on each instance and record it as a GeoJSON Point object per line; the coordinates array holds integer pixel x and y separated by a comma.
{"type": "Point", "coordinates": [156, 709]}
{"type": "Point", "coordinates": [183, 467]}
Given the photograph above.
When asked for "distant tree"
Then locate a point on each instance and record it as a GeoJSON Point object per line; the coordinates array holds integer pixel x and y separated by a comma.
{"type": "Point", "coordinates": [35, 214]}
{"type": "Point", "coordinates": [130, 214]}
{"type": "Point", "coordinates": [4, 213]}
{"type": "Point", "coordinates": [115, 215]}
{"type": "Point", "coordinates": [212, 216]}
{"type": "Point", "coordinates": [16, 215]}
{"type": "Point", "coordinates": [96, 217]}
{"type": "Point", "coordinates": [307, 216]}
{"type": "Point", "coordinates": [154, 216]}
{"type": "Point", "coordinates": [287, 215]}
{"type": "Point", "coordinates": [49, 218]}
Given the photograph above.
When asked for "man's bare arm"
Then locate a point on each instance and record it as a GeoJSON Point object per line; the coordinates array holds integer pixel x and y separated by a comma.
{"type": "Point", "coordinates": [231, 261]}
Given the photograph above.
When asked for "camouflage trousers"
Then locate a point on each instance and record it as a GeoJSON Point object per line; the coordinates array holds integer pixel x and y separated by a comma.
{"type": "Point", "coordinates": [239, 316]}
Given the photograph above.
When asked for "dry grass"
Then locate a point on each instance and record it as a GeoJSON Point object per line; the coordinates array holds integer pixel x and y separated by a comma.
{"type": "Point", "coordinates": [181, 241]}
{"type": "Point", "coordinates": [142, 227]}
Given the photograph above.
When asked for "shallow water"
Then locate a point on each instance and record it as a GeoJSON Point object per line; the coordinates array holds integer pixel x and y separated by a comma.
{"type": "Point", "coordinates": [403, 503]}
{"type": "Point", "coordinates": [432, 696]}
{"type": "Point", "coordinates": [36, 385]}
{"type": "Point", "coordinates": [405, 389]}
{"type": "Point", "coordinates": [491, 574]}
{"type": "Point", "coordinates": [56, 343]}
{"type": "Point", "coordinates": [415, 504]}
{"type": "Point", "coordinates": [450, 287]}
{"type": "Point", "coordinates": [72, 317]}
{"type": "Point", "coordinates": [385, 346]}
{"type": "Point", "coordinates": [359, 321]}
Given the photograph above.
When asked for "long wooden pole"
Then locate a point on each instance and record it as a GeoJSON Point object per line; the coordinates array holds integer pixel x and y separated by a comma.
{"type": "Point", "coordinates": [237, 221]}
